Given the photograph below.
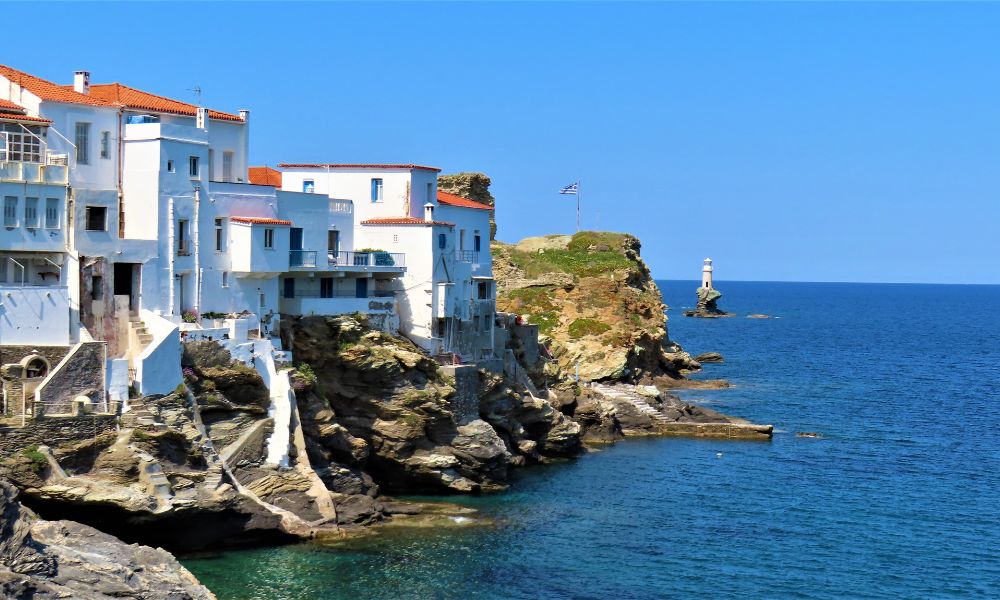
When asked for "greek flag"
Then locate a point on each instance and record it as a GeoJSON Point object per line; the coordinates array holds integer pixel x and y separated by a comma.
{"type": "Point", "coordinates": [570, 189]}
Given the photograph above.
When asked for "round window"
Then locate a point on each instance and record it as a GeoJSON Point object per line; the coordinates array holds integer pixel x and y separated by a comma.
{"type": "Point", "coordinates": [35, 367]}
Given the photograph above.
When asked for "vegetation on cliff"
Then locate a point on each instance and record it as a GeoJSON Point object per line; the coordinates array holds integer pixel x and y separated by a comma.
{"type": "Point", "coordinates": [595, 304]}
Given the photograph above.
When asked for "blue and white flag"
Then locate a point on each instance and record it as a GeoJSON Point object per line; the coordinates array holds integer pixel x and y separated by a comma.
{"type": "Point", "coordinates": [570, 189]}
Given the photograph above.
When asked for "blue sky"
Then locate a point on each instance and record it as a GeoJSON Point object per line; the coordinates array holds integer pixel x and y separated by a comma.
{"type": "Point", "coordinates": [788, 141]}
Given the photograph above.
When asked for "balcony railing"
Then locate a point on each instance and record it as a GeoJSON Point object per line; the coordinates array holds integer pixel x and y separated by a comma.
{"type": "Point", "coordinates": [184, 247]}
{"type": "Point", "coordinates": [302, 258]}
{"type": "Point", "coordinates": [339, 294]}
{"type": "Point", "coordinates": [347, 258]}
{"type": "Point", "coordinates": [467, 256]}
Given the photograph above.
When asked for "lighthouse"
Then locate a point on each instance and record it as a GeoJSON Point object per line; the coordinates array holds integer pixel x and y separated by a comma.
{"type": "Point", "coordinates": [706, 274]}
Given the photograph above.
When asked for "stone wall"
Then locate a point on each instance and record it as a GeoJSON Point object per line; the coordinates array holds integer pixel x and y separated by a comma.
{"type": "Point", "coordinates": [251, 445]}
{"type": "Point", "coordinates": [465, 402]}
{"type": "Point", "coordinates": [10, 355]}
{"type": "Point", "coordinates": [81, 375]}
{"type": "Point", "coordinates": [55, 432]}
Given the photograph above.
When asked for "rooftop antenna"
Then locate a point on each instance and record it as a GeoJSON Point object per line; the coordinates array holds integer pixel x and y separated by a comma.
{"type": "Point", "coordinates": [197, 92]}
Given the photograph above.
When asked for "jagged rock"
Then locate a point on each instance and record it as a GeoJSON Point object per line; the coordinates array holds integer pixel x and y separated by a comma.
{"type": "Point", "coordinates": [709, 357]}
{"type": "Point", "coordinates": [596, 305]}
{"type": "Point", "coordinates": [474, 186]}
{"type": "Point", "coordinates": [706, 307]}
{"type": "Point", "coordinates": [62, 559]}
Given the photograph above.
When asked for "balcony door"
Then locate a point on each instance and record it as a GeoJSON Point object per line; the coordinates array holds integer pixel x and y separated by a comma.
{"type": "Point", "coordinates": [295, 245]}
{"type": "Point", "coordinates": [361, 287]}
{"type": "Point", "coordinates": [333, 243]}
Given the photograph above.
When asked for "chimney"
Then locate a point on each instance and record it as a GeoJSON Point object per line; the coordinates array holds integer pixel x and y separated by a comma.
{"type": "Point", "coordinates": [81, 82]}
{"type": "Point", "coordinates": [201, 118]}
{"type": "Point", "coordinates": [244, 114]}
{"type": "Point", "coordinates": [428, 212]}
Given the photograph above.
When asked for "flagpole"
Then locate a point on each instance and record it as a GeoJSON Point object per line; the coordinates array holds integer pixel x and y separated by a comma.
{"type": "Point", "coordinates": [578, 207]}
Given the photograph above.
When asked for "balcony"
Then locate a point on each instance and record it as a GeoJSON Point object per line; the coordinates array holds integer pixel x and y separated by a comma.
{"type": "Point", "coordinates": [304, 259]}
{"type": "Point", "coordinates": [33, 172]}
{"type": "Point", "coordinates": [466, 256]}
{"type": "Point", "coordinates": [337, 303]}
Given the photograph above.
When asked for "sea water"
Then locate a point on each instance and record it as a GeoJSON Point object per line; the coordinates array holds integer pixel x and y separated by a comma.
{"type": "Point", "coordinates": [899, 497]}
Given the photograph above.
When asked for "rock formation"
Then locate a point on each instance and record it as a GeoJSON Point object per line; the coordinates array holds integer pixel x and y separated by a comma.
{"type": "Point", "coordinates": [474, 186]}
{"type": "Point", "coordinates": [595, 304]}
{"type": "Point", "coordinates": [706, 307]}
{"type": "Point", "coordinates": [62, 559]}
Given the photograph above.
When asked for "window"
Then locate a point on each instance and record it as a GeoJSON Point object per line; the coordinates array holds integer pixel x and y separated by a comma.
{"type": "Point", "coordinates": [430, 190]}
{"type": "Point", "coordinates": [376, 190]}
{"type": "Point", "coordinates": [3, 270]}
{"type": "Point", "coordinates": [10, 211]}
{"type": "Point", "coordinates": [83, 143]}
{"type": "Point", "coordinates": [20, 143]}
{"type": "Point", "coordinates": [96, 287]}
{"type": "Point", "coordinates": [225, 279]}
{"type": "Point", "coordinates": [219, 236]}
{"type": "Point", "coordinates": [442, 241]}
{"type": "Point", "coordinates": [326, 287]}
{"type": "Point", "coordinates": [461, 239]}
{"type": "Point", "coordinates": [308, 186]}
{"type": "Point", "coordinates": [182, 238]}
{"type": "Point", "coordinates": [105, 144]}
{"type": "Point", "coordinates": [227, 166]}
{"type": "Point", "coordinates": [269, 239]}
{"type": "Point", "coordinates": [193, 168]}
{"type": "Point", "coordinates": [440, 327]}
{"type": "Point", "coordinates": [170, 167]}
{"type": "Point", "coordinates": [211, 164]}
{"type": "Point", "coordinates": [333, 243]}
{"type": "Point", "coordinates": [395, 238]}
{"type": "Point", "coordinates": [477, 243]}
{"type": "Point", "coordinates": [484, 290]}
{"type": "Point", "coordinates": [97, 218]}
{"type": "Point", "coordinates": [52, 213]}
{"type": "Point", "coordinates": [31, 213]}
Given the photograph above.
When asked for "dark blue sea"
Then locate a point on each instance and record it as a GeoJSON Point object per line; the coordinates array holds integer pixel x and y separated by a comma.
{"type": "Point", "coordinates": [899, 498]}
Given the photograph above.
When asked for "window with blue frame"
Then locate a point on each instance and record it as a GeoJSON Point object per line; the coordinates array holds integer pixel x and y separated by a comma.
{"type": "Point", "coordinates": [477, 243]}
{"type": "Point", "coordinates": [376, 190]}
{"type": "Point", "coordinates": [309, 186]}
{"type": "Point", "coordinates": [442, 241]}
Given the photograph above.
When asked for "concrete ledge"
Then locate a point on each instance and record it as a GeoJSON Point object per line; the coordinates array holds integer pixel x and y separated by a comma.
{"type": "Point", "coordinates": [736, 431]}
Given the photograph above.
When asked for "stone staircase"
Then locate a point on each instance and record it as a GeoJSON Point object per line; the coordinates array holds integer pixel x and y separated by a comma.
{"type": "Point", "coordinates": [141, 415]}
{"type": "Point", "coordinates": [632, 398]}
{"type": "Point", "coordinates": [139, 334]}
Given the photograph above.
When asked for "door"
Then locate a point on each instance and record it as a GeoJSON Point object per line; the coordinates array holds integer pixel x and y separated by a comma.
{"type": "Point", "coordinates": [361, 287]}
{"type": "Point", "coordinates": [333, 244]}
{"type": "Point", "coordinates": [295, 245]}
{"type": "Point", "coordinates": [178, 294]}
{"type": "Point", "coordinates": [289, 287]}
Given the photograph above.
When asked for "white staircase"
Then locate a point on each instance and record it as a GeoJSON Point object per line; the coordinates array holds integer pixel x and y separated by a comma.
{"type": "Point", "coordinates": [634, 399]}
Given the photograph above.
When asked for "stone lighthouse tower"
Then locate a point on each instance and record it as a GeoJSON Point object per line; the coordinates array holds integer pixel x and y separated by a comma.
{"type": "Point", "coordinates": [706, 274]}
{"type": "Point", "coordinates": [707, 296]}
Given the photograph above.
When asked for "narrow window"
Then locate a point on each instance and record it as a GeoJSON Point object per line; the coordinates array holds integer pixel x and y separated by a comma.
{"type": "Point", "coordinates": [376, 190]}
{"type": "Point", "coordinates": [10, 211]}
{"type": "Point", "coordinates": [308, 186]}
{"type": "Point", "coordinates": [31, 213]}
{"type": "Point", "coordinates": [227, 166]}
{"type": "Point", "coordinates": [219, 236]}
{"type": "Point", "coordinates": [3, 270]}
{"type": "Point", "coordinates": [182, 238]}
{"type": "Point", "coordinates": [96, 287]}
{"type": "Point", "coordinates": [440, 327]}
{"type": "Point", "coordinates": [52, 213]}
{"type": "Point", "coordinates": [461, 240]}
{"type": "Point", "coordinates": [225, 279]}
{"type": "Point", "coordinates": [211, 164]}
{"type": "Point", "coordinates": [430, 190]}
{"type": "Point", "coordinates": [477, 243]}
{"type": "Point", "coordinates": [105, 144]}
{"type": "Point", "coordinates": [83, 143]}
{"type": "Point", "coordinates": [193, 169]}
{"type": "Point", "coordinates": [170, 167]}
{"type": "Point", "coordinates": [269, 239]}
{"type": "Point", "coordinates": [97, 218]}
{"type": "Point", "coordinates": [442, 241]}
{"type": "Point", "coordinates": [484, 290]}
{"type": "Point", "coordinates": [326, 287]}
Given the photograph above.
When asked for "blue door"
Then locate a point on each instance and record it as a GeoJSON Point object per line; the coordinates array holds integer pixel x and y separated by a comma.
{"type": "Point", "coordinates": [295, 245]}
{"type": "Point", "coordinates": [361, 287]}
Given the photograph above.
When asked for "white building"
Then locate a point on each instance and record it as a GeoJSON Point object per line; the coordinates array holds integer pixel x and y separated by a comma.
{"type": "Point", "coordinates": [445, 300]}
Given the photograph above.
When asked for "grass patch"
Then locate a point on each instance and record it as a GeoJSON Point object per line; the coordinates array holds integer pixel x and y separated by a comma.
{"type": "Point", "coordinates": [577, 259]}
{"type": "Point", "coordinates": [38, 461]}
{"type": "Point", "coordinates": [584, 327]}
{"type": "Point", "coordinates": [536, 302]}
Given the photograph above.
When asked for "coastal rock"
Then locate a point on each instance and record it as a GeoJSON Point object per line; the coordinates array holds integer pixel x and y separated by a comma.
{"type": "Point", "coordinates": [709, 357]}
{"type": "Point", "coordinates": [759, 316]}
{"type": "Point", "coordinates": [707, 304]}
{"type": "Point", "coordinates": [63, 559]}
{"type": "Point", "coordinates": [597, 308]}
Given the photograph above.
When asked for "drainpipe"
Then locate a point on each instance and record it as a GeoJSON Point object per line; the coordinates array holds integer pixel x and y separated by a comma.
{"type": "Point", "coordinates": [197, 255]}
{"type": "Point", "coordinates": [121, 158]}
{"type": "Point", "coordinates": [170, 252]}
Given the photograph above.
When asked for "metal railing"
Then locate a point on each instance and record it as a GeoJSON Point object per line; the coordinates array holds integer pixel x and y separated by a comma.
{"type": "Point", "coordinates": [347, 258]}
{"type": "Point", "coordinates": [302, 258]}
{"type": "Point", "coordinates": [468, 256]}
{"type": "Point", "coordinates": [335, 294]}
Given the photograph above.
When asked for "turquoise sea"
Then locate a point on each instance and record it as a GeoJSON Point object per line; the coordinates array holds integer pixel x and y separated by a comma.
{"type": "Point", "coordinates": [900, 498]}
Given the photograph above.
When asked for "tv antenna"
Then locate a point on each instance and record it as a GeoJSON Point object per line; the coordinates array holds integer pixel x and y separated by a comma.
{"type": "Point", "coordinates": [197, 92]}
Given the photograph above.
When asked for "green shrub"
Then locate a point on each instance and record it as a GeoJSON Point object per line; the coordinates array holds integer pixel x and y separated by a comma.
{"type": "Point", "coordinates": [583, 327]}
{"type": "Point", "coordinates": [38, 461]}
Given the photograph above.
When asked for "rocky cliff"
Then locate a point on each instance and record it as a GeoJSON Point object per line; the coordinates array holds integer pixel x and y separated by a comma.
{"type": "Point", "coordinates": [474, 186]}
{"type": "Point", "coordinates": [62, 559]}
{"type": "Point", "coordinates": [596, 306]}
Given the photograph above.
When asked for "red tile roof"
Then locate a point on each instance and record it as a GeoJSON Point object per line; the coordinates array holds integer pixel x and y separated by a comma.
{"type": "Point", "coordinates": [259, 221]}
{"type": "Point", "coordinates": [265, 176]}
{"type": "Point", "coordinates": [48, 91]}
{"type": "Point", "coordinates": [12, 112]}
{"type": "Point", "coordinates": [404, 221]}
{"type": "Point", "coordinates": [453, 200]}
{"type": "Point", "coordinates": [356, 166]}
{"type": "Point", "coordinates": [129, 97]}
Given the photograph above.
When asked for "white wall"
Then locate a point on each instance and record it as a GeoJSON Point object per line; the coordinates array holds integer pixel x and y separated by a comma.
{"type": "Point", "coordinates": [38, 239]}
{"type": "Point", "coordinates": [34, 315]}
{"type": "Point", "coordinates": [99, 173]}
{"type": "Point", "coordinates": [355, 184]}
{"type": "Point", "coordinates": [158, 368]}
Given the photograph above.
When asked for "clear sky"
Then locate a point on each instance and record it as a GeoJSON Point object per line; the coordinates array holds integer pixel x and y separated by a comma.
{"type": "Point", "coordinates": [788, 141]}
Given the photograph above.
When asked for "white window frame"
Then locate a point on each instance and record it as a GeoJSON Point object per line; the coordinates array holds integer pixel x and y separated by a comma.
{"type": "Point", "coordinates": [225, 279]}
{"type": "Point", "coordinates": [220, 235]}
{"type": "Point", "coordinates": [228, 156]}
{"type": "Point", "coordinates": [268, 238]}
{"type": "Point", "coordinates": [31, 220]}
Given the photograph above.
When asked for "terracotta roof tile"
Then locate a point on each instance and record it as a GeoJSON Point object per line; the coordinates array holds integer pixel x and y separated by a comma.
{"type": "Point", "coordinates": [48, 91]}
{"type": "Point", "coordinates": [259, 221]}
{"type": "Point", "coordinates": [404, 221]}
{"type": "Point", "coordinates": [356, 166]}
{"type": "Point", "coordinates": [453, 200]}
{"type": "Point", "coordinates": [265, 176]}
{"type": "Point", "coordinates": [12, 112]}
{"type": "Point", "coordinates": [129, 97]}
